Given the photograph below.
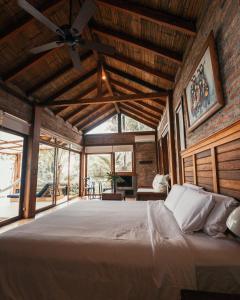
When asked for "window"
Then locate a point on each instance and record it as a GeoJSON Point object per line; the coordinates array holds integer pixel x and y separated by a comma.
{"type": "Point", "coordinates": [11, 153]}
{"type": "Point", "coordinates": [109, 126]}
{"type": "Point", "coordinates": [62, 175]}
{"type": "Point", "coordinates": [46, 174]}
{"type": "Point", "coordinates": [123, 162]}
{"type": "Point", "coordinates": [131, 125]}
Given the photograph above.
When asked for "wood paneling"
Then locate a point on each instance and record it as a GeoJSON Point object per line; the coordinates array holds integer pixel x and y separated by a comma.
{"type": "Point", "coordinates": [217, 162]}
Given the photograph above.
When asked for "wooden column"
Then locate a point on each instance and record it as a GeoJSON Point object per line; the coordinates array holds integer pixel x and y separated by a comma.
{"type": "Point", "coordinates": [119, 123]}
{"type": "Point", "coordinates": [32, 165]}
{"type": "Point", "coordinates": [194, 169]}
{"type": "Point", "coordinates": [172, 149]}
{"type": "Point", "coordinates": [214, 170]}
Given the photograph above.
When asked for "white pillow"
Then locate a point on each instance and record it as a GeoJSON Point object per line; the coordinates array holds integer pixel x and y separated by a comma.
{"type": "Point", "coordinates": [192, 210]}
{"type": "Point", "coordinates": [160, 183]}
{"type": "Point", "coordinates": [215, 224]}
{"type": "Point", "coordinates": [193, 186]}
{"type": "Point", "coordinates": [174, 196]}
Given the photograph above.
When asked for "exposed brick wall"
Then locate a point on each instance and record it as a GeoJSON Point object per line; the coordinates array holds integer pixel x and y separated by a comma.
{"type": "Point", "coordinates": [223, 17]}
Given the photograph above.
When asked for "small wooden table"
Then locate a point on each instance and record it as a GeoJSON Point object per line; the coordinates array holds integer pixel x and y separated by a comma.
{"type": "Point", "coordinates": [112, 196]}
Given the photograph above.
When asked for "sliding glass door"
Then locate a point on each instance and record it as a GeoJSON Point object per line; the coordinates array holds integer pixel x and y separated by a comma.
{"type": "Point", "coordinates": [11, 165]}
{"type": "Point", "coordinates": [62, 184]}
{"type": "Point", "coordinates": [46, 176]}
{"type": "Point", "coordinates": [74, 174]}
{"type": "Point", "coordinates": [98, 165]}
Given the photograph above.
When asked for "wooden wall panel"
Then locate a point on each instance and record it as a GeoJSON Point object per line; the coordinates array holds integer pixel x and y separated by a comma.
{"type": "Point", "coordinates": [214, 163]}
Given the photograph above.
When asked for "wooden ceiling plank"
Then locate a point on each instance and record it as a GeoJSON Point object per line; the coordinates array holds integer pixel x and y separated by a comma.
{"type": "Point", "coordinates": [111, 99]}
{"type": "Point", "coordinates": [133, 116]}
{"type": "Point", "coordinates": [23, 24]}
{"type": "Point", "coordinates": [69, 87]}
{"type": "Point", "coordinates": [132, 41]}
{"type": "Point", "coordinates": [144, 109]}
{"type": "Point", "coordinates": [166, 79]}
{"type": "Point", "coordinates": [95, 124]}
{"type": "Point", "coordinates": [153, 15]}
{"type": "Point", "coordinates": [57, 74]}
{"type": "Point", "coordinates": [140, 113]}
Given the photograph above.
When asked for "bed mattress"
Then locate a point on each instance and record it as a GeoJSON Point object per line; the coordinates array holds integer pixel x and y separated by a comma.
{"type": "Point", "coordinates": [107, 250]}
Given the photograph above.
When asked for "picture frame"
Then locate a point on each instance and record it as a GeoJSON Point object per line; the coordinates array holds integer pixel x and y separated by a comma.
{"type": "Point", "coordinates": [203, 93]}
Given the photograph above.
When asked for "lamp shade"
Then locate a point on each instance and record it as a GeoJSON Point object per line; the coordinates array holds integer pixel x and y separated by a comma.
{"type": "Point", "coordinates": [233, 221]}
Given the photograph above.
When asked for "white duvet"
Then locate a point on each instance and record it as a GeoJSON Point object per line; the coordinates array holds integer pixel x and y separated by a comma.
{"type": "Point", "coordinates": [97, 250]}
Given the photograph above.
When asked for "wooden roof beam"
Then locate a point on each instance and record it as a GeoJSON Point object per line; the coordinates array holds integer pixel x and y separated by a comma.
{"type": "Point", "coordinates": [27, 64]}
{"type": "Point", "coordinates": [82, 107]}
{"type": "Point", "coordinates": [140, 113]}
{"type": "Point", "coordinates": [85, 93]}
{"type": "Point", "coordinates": [92, 115]}
{"type": "Point", "coordinates": [133, 116]}
{"type": "Point", "coordinates": [111, 99]}
{"type": "Point", "coordinates": [152, 15]}
{"type": "Point", "coordinates": [133, 42]}
{"type": "Point", "coordinates": [57, 74]}
{"type": "Point", "coordinates": [112, 113]}
{"type": "Point", "coordinates": [166, 79]}
{"type": "Point", "coordinates": [14, 28]}
{"type": "Point", "coordinates": [50, 99]}
{"type": "Point", "coordinates": [134, 90]}
{"type": "Point", "coordinates": [134, 79]}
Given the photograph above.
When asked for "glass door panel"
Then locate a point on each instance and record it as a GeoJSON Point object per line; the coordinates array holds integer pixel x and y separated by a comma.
{"type": "Point", "coordinates": [11, 153]}
{"type": "Point", "coordinates": [62, 176]}
{"type": "Point", "coordinates": [46, 175]}
{"type": "Point", "coordinates": [98, 165]}
{"type": "Point", "coordinates": [74, 174]}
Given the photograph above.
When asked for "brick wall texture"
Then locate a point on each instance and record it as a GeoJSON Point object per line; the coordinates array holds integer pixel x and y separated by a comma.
{"type": "Point", "coordinates": [223, 18]}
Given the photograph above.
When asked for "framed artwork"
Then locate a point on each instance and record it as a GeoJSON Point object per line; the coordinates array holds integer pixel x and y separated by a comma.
{"type": "Point", "coordinates": [203, 93]}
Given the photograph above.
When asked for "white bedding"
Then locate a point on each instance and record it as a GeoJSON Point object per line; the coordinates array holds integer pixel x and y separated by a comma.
{"type": "Point", "coordinates": [105, 250]}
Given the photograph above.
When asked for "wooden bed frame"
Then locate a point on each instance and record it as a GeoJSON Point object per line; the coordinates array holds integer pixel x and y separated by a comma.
{"type": "Point", "coordinates": [214, 163]}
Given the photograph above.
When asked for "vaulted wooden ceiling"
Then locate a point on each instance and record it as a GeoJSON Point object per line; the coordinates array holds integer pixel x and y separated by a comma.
{"type": "Point", "coordinates": [150, 38]}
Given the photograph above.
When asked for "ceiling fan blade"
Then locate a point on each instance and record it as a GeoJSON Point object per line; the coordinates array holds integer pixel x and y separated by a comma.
{"type": "Point", "coordinates": [40, 17]}
{"type": "Point", "coordinates": [88, 9]}
{"type": "Point", "coordinates": [99, 47]}
{"type": "Point", "coordinates": [75, 58]}
{"type": "Point", "coordinates": [46, 47]}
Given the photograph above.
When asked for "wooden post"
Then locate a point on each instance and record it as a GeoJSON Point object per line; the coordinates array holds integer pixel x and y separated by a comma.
{"type": "Point", "coordinates": [32, 165]}
{"type": "Point", "coordinates": [172, 151]}
{"type": "Point", "coordinates": [194, 169]}
{"type": "Point", "coordinates": [119, 123]}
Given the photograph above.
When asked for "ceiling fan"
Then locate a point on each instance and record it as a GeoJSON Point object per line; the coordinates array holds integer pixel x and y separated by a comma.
{"type": "Point", "coordinates": [69, 34]}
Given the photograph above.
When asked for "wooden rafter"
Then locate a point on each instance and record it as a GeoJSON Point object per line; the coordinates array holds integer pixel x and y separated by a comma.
{"type": "Point", "coordinates": [133, 116]}
{"type": "Point", "coordinates": [146, 108]}
{"type": "Point", "coordinates": [134, 79]}
{"type": "Point", "coordinates": [57, 74]}
{"type": "Point", "coordinates": [111, 99]}
{"type": "Point", "coordinates": [84, 93]}
{"type": "Point", "coordinates": [92, 115]}
{"type": "Point", "coordinates": [27, 64]}
{"type": "Point", "coordinates": [81, 109]}
{"type": "Point", "coordinates": [166, 79]}
{"type": "Point", "coordinates": [153, 15]}
{"type": "Point", "coordinates": [133, 42]}
{"type": "Point", "coordinates": [140, 113]}
{"type": "Point", "coordinates": [69, 87]}
{"type": "Point", "coordinates": [133, 90]}
{"type": "Point", "coordinates": [23, 24]}
{"type": "Point", "coordinates": [112, 113]}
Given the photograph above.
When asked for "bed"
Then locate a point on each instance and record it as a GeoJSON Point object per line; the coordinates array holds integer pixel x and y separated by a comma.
{"type": "Point", "coordinates": [113, 250]}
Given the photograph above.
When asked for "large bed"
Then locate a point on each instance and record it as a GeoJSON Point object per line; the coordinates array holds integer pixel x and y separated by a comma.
{"type": "Point", "coordinates": [113, 250]}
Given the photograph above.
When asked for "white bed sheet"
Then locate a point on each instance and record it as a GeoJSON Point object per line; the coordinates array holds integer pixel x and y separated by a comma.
{"type": "Point", "coordinates": [102, 250]}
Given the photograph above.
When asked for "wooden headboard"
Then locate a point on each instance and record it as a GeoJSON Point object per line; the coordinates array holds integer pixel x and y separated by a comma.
{"type": "Point", "coordinates": [214, 163]}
